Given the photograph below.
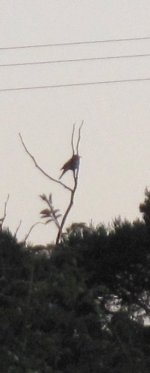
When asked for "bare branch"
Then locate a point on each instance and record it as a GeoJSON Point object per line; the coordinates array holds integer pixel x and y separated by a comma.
{"type": "Point", "coordinates": [65, 216]}
{"type": "Point", "coordinates": [5, 213]}
{"type": "Point", "coordinates": [79, 137]}
{"type": "Point", "coordinates": [17, 229]}
{"type": "Point", "coordinates": [75, 177]}
{"type": "Point", "coordinates": [5, 207]}
{"type": "Point", "coordinates": [31, 228]}
{"type": "Point", "coordinates": [40, 169]}
{"type": "Point", "coordinates": [72, 138]}
{"type": "Point", "coordinates": [53, 214]}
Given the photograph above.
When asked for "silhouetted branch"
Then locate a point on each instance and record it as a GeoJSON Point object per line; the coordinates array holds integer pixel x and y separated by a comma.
{"type": "Point", "coordinates": [67, 212]}
{"type": "Point", "coordinates": [75, 176]}
{"type": "Point", "coordinates": [79, 137]}
{"type": "Point", "coordinates": [5, 213]}
{"type": "Point", "coordinates": [51, 213]}
{"type": "Point", "coordinates": [31, 228]}
{"type": "Point", "coordinates": [17, 229]}
{"type": "Point", "coordinates": [72, 140]}
{"type": "Point", "coordinates": [41, 169]}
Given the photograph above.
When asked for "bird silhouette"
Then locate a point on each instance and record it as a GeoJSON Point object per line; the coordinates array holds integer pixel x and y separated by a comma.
{"type": "Point", "coordinates": [72, 164]}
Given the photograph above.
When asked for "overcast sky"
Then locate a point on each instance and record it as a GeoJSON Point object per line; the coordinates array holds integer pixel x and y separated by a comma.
{"type": "Point", "coordinates": [115, 164]}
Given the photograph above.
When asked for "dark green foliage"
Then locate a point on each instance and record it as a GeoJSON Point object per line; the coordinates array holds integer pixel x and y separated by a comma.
{"type": "Point", "coordinates": [80, 309]}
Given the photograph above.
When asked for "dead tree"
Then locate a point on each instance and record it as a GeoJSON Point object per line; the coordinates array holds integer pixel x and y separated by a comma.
{"type": "Point", "coordinates": [50, 213]}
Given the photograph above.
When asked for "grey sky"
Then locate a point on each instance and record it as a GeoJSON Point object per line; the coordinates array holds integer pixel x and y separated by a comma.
{"type": "Point", "coordinates": [115, 139]}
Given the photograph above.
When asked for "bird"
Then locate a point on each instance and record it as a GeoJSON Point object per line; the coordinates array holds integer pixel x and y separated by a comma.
{"type": "Point", "coordinates": [72, 164]}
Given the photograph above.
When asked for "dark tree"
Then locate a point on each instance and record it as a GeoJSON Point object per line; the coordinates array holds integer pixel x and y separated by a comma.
{"type": "Point", "coordinates": [81, 307]}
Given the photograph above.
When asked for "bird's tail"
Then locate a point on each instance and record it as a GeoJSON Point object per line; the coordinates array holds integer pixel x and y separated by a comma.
{"type": "Point", "coordinates": [62, 174]}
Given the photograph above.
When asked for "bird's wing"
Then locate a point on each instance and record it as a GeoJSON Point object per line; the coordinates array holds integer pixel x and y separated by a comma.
{"type": "Point", "coordinates": [65, 166]}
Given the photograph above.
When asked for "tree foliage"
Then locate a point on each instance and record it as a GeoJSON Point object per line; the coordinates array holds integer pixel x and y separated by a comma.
{"type": "Point", "coordinates": [79, 306]}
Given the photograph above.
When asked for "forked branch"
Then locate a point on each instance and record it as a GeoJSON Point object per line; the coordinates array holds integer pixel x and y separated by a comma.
{"type": "Point", "coordinates": [40, 168]}
{"type": "Point", "coordinates": [53, 214]}
{"type": "Point", "coordinates": [75, 177]}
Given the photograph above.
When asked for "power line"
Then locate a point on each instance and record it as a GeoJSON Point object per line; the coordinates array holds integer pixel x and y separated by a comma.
{"type": "Point", "coordinates": [76, 43]}
{"type": "Point", "coordinates": [136, 80]}
{"type": "Point", "coordinates": [75, 60]}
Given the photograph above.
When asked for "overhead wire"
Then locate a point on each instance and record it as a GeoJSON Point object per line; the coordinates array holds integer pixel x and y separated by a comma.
{"type": "Point", "coordinates": [86, 42]}
{"type": "Point", "coordinates": [88, 59]}
{"type": "Point", "coordinates": [134, 80]}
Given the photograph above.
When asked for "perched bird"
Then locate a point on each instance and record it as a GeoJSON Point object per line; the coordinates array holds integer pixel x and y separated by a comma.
{"type": "Point", "coordinates": [72, 164]}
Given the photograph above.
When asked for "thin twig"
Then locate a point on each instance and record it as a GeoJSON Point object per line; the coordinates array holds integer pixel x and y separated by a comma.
{"type": "Point", "coordinates": [17, 229]}
{"type": "Point", "coordinates": [31, 228]}
{"type": "Point", "coordinates": [40, 169]}
{"type": "Point", "coordinates": [72, 139]}
{"type": "Point", "coordinates": [5, 207]}
{"type": "Point", "coordinates": [79, 137]}
{"type": "Point", "coordinates": [5, 213]}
